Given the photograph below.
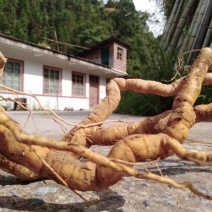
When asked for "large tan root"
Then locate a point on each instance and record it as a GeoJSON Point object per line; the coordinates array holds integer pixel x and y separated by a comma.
{"type": "Point", "coordinates": [186, 89]}
{"type": "Point", "coordinates": [16, 169]}
{"type": "Point", "coordinates": [30, 157]}
{"type": "Point", "coordinates": [102, 172]}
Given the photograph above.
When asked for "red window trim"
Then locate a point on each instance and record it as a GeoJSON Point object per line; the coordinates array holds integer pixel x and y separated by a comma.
{"type": "Point", "coordinates": [60, 80]}
{"type": "Point", "coordinates": [84, 84]}
{"type": "Point", "coordinates": [22, 74]}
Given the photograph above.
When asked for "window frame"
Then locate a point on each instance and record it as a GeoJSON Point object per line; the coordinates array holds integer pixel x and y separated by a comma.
{"type": "Point", "coordinates": [120, 52]}
{"type": "Point", "coordinates": [50, 69]}
{"type": "Point", "coordinates": [94, 79]}
{"type": "Point", "coordinates": [105, 56]}
{"type": "Point", "coordinates": [84, 85]}
{"type": "Point", "coordinates": [6, 74]}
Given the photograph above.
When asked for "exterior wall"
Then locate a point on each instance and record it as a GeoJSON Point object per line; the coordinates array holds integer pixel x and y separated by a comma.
{"type": "Point", "coordinates": [94, 56]}
{"type": "Point", "coordinates": [53, 102]}
{"type": "Point", "coordinates": [59, 103]}
{"type": "Point", "coordinates": [33, 84]}
{"type": "Point", "coordinates": [32, 80]}
{"type": "Point", "coordinates": [34, 58]}
{"type": "Point", "coordinates": [66, 85]}
{"type": "Point", "coordinates": [87, 86]}
{"type": "Point", "coordinates": [102, 88]}
{"type": "Point", "coordinates": [120, 64]}
{"type": "Point", "coordinates": [111, 57]}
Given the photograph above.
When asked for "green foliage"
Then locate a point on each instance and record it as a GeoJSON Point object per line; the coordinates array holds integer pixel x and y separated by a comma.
{"type": "Point", "coordinates": [81, 22]}
{"type": "Point", "coordinates": [205, 96]}
{"type": "Point", "coordinates": [160, 68]}
{"type": "Point", "coordinates": [166, 6]}
{"type": "Point", "coordinates": [142, 104]}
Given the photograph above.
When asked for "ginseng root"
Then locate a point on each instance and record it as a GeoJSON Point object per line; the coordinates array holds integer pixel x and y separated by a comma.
{"type": "Point", "coordinates": [31, 157]}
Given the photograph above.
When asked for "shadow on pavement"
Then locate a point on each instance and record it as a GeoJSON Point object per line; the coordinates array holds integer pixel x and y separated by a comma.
{"type": "Point", "coordinates": [108, 200]}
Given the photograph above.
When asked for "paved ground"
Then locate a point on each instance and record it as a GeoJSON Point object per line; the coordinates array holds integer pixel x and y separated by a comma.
{"type": "Point", "coordinates": [128, 195]}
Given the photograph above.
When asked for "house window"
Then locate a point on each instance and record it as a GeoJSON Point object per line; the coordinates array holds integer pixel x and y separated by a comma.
{"type": "Point", "coordinates": [52, 81]}
{"type": "Point", "coordinates": [94, 79]}
{"type": "Point", "coordinates": [13, 75]}
{"type": "Point", "coordinates": [105, 56]}
{"type": "Point", "coordinates": [119, 53]}
{"type": "Point", "coordinates": [78, 84]}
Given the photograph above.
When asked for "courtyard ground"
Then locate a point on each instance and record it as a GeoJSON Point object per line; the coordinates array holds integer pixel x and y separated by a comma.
{"type": "Point", "coordinates": [129, 194]}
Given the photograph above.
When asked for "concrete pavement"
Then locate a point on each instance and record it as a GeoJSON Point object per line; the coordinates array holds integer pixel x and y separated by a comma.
{"type": "Point", "coordinates": [42, 123]}
{"type": "Point", "coordinates": [130, 194]}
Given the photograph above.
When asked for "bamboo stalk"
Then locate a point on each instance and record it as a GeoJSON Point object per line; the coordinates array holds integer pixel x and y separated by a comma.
{"type": "Point", "coordinates": [180, 41]}
{"type": "Point", "coordinates": [169, 23]}
{"type": "Point", "coordinates": [174, 24]}
{"type": "Point", "coordinates": [208, 36]}
{"type": "Point", "coordinates": [198, 42]}
{"type": "Point", "coordinates": [180, 25]}
{"type": "Point", "coordinates": [199, 39]}
{"type": "Point", "coordinates": [197, 24]}
{"type": "Point", "coordinates": [185, 45]}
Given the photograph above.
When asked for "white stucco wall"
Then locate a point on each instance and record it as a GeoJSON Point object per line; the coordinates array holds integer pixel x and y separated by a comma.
{"type": "Point", "coordinates": [87, 86]}
{"type": "Point", "coordinates": [33, 84]}
{"type": "Point", "coordinates": [49, 102]}
{"type": "Point", "coordinates": [59, 103]}
{"type": "Point", "coordinates": [34, 58]}
{"type": "Point", "coordinates": [66, 82]}
{"type": "Point", "coordinates": [33, 80]}
{"type": "Point", "coordinates": [102, 88]}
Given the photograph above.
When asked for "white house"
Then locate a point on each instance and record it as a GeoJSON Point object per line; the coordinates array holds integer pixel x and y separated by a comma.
{"type": "Point", "coordinates": [59, 80]}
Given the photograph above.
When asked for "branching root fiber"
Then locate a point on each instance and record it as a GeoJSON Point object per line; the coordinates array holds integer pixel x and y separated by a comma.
{"type": "Point", "coordinates": [29, 157]}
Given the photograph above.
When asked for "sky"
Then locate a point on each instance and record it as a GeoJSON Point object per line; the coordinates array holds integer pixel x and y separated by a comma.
{"type": "Point", "coordinates": [151, 7]}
